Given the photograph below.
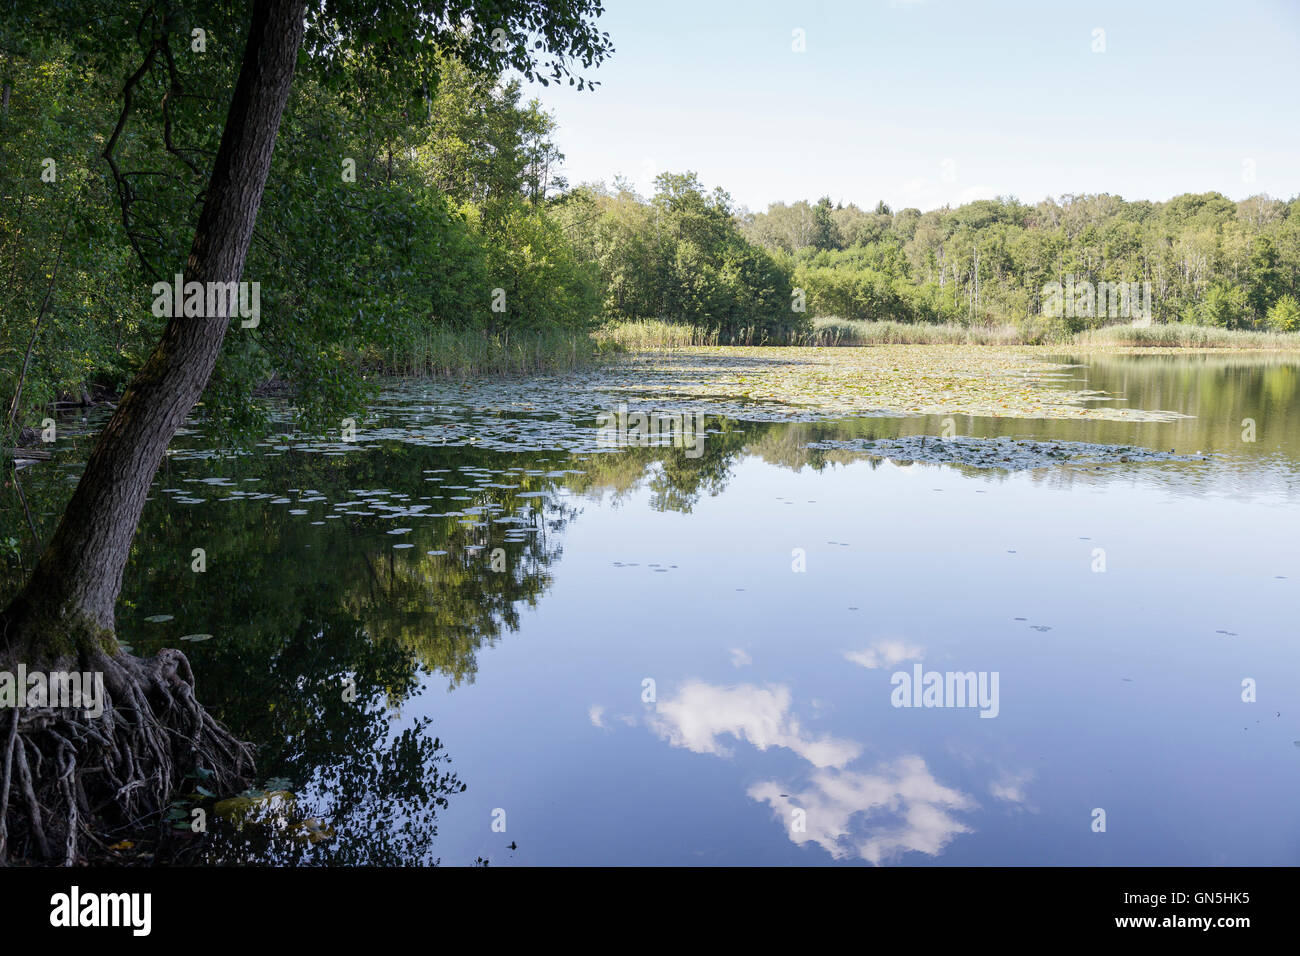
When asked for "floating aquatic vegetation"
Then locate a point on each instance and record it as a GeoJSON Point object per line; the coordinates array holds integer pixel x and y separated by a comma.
{"type": "Point", "coordinates": [750, 384]}
{"type": "Point", "coordinates": [1008, 454]}
{"type": "Point", "coordinates": [273, 809]}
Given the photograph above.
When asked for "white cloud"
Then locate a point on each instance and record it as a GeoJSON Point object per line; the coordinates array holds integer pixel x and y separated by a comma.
{"type": "Point", "coordinates": [596, 713]}
{"type": "Point", "coordinates": [1011, 786]}
{"type": "Point", "coordinates": [877, 816]}
{"type": "Point", "coordinates": [740, 657]}
{"type": "Point", "coordinates": [886, 653]}
{"type": "Point", "coordinates": [700, 713]}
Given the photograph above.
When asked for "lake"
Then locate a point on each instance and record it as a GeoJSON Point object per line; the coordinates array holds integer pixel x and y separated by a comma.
{"type": "Point", "coordinates": [484, 630]}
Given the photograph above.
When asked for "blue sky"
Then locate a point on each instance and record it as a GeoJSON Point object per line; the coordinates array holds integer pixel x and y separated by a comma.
{"type": "Point", "coordinates": [927, 102]}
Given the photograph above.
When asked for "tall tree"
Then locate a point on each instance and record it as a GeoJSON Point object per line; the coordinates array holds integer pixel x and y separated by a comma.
{"type": "Point", "coordinates": [129, 765]}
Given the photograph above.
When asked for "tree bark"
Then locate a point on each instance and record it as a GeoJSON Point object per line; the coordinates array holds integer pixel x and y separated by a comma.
{"type": "Point", "coordinates": [79, 575]}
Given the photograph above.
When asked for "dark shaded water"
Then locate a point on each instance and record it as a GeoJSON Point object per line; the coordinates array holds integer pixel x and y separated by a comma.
{"type": "Point", "coordinates": [642, 675]}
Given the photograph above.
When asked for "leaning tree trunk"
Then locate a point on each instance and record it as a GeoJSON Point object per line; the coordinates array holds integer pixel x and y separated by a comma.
{"type": "Point", "coordinates": [154, 731]}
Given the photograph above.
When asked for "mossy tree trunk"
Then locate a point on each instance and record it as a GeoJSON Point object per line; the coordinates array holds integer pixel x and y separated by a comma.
{"type": "Point", "coordinates": [153, 731]}
{"type": "Point", "coordinates": [80, 573]}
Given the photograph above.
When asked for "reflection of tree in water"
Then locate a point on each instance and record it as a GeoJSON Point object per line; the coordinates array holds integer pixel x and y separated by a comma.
{"type": "Point", "coordinates": [679, 481]}
{"type": "Point", "coordinates": [365, 793]}
{"type": "Point", "coordinates": [31, 500]}
{"type": "Point", "coordinates": [444, 608]}
{"type": "Point", "coordinates": [676, 481]}
{"type": "Point", "coordinates": [296, 612]}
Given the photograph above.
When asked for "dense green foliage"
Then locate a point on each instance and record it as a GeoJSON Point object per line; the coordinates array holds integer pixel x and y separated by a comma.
{"type": "Point", "coordinates": [409, 198]}
{"type": "Point", "coordinates": [681, 256]}
{"type": "Point", "coordinates": [424, 226]}
{"type": "Point", "coordinates": [1208, 260]}
{"type": "Point", "coordinates": [71, 306]}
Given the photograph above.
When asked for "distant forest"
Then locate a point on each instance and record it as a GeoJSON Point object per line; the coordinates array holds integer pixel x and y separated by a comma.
{"type": "Point", "coordinates": [396, 224]}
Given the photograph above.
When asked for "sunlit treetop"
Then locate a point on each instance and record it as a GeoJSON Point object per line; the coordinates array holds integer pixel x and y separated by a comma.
{"type": "Point", "coordinates": [386, 44]}
{"type": "Point", "coordinates": [544, 41]}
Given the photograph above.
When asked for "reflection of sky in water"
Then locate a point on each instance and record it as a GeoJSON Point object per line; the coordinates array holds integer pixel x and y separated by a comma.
{"type": "Point", "coordinates": [920, 806]}
{"type": "Point", "coordinates": [825, 813]}
{"type": "Point", "coordinates": [1119, 690]}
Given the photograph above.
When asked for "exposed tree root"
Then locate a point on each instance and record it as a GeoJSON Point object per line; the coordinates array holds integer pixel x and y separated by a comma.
{"type": "Point", "coordinates": [66, 777]}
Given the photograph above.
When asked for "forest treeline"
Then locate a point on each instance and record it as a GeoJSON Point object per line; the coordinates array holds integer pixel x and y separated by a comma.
{"type": "Point", "coordinates": [1205, 259]}
{"type": "Point", "coordinates": [428, 232]}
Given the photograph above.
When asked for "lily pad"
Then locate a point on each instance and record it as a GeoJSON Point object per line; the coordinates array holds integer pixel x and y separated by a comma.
{"type": "Point", "coordinates": [1002, 453]}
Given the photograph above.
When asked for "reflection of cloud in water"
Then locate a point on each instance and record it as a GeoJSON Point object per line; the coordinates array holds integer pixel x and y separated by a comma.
{"type": "Point", "coordinates": [917, 806]}
{"type": "Point", "coordinates": [877, 816]}
{"type": "Point", "coordinates": [1011, 787]}
{"type": "Point", "coordinates": [886, 654]}
{"type": "Point", "coordinates": [701, 712]}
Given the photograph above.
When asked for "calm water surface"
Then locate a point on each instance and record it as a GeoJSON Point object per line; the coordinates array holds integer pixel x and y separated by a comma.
{"type": "Point", "coordinates": [409, 687]}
